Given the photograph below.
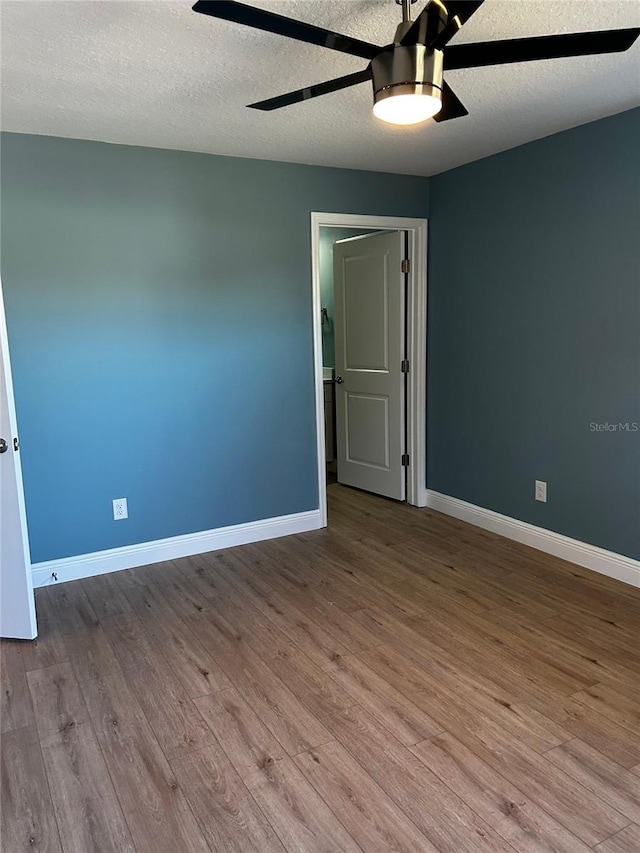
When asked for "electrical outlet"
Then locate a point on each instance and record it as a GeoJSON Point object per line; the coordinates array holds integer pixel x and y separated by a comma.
{"type": "Point", "coordinates": [541, 491]}
{"type": "Point", "coordinates": [120, 510]}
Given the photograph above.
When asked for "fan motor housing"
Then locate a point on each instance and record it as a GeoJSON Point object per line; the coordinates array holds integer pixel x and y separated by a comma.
{"type": "Point", "coordinates": [407, 70]}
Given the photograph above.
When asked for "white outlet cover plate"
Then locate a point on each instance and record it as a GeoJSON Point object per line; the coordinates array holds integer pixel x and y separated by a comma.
{"type": "Point", "coordinates": [541, 491]}
{"type": "Point", "coordinates": [120, 510]}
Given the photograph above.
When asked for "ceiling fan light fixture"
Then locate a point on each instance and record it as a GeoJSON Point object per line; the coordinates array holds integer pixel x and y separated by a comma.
{"type": "Point", "coordinates": [407, 84]}
{"type": "Point", "coordinates": [407, 108]}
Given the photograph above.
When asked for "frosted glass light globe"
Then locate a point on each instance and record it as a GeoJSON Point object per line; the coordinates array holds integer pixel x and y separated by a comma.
{"type": "Point", "coordinates": [407, 109]}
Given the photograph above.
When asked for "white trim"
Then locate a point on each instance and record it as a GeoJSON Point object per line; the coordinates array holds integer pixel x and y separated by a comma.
{"type": "Point", "coordinates": [318, 367]}
{"type": "Point", "coordinates": [13, 458]}
{"type": "Point", "coordinates": [608, 563]}
{"type": "Point", "coordinates": [416, 345]}
{"type": "Point", "coordinates": [131, 556]}
{"type": "Point", "coordinates": [417, 349]}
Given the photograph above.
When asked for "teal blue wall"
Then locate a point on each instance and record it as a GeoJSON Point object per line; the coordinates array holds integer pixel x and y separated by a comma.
{"type": "Point", "coordinates": [159, 314]}
{"type": "Point", "coordinates": [328, 236]}
{"type": "Point", "coordinates": [159, 321]}
{"type": "Point", "coordinates": [534, 332]}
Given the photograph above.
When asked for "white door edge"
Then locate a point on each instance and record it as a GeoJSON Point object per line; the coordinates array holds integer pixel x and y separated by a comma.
{"type": "Point", "coordinates": [29, 630]}
{"type": "Point", "coordinates": [416, 345]}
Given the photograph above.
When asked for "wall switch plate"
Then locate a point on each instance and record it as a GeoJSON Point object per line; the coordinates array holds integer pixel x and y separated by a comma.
{"type": "Point", "coordinates": [541, 491]}
{"type": "Point", "coordinates": [120, 510]}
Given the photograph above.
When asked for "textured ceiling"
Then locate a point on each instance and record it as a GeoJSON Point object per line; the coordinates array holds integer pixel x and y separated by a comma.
{"type": "Point", "coordinates": [157, 74]}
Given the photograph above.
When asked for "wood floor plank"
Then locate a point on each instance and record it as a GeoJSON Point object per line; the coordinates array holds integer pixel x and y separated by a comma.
{"type": "Point", "coordinates": [625, 682]}
{"type": "Point", "coordinates": [316, 642]}
{"type": "Point", "coordinates": [599, 774]}
{"type": "Point", "coordinates": [15, 702]}
{"type": "Point", "coordinates": [105, 595]}
{"type": "Point", "coordinates": [57, 699]}
{"type": "Point", "coordinates": [228, 815]}
{"type": "Point", "coordinates": [88, 813]}
{"type": "Point", "coordinates": [71, 608]}
{"type": "Point", "coordinates": [517, 818]}
{"type": "Point", "coordinates": [611, 704]}
{"type": "Point", "coordinates": [437, 678]}
{"type": "Point", "coordinates": [298, 814]}
{"type": "Point", "coordinates": [469, 630]}
{"type": "Point", "coordinates": [570, 803]}
{"type": "Point", "coordinates": [376, 823]}
{"type": "Point", "coordinates": [28, 823]}
{"type": "Point", "coordinates": [449, 824]}
{"type": "Point", "coordinates": [157, 813]}
{"type": "Point", "coordinates": [310, 685]}
{"type": "Point", "coordinates": [245, 739]}
{"type": "Point", "coordinates": [175, 720]}
{"type": "Point", "coordinates": [442, 538]}
{"type": "Point", "coordinates": [600, 629]}
{"type": "Point", "coordinates": [344, 628]}
{"type": "Point", "coordinates": [450, 581]}
{"type": "Point", "coordinates": [625, 841]}
{"type": "Point", "coordinates": [618, 743]}
{"type": "Point", "coordinates": [185, 654]}
{"type": "Point", "coordinates": [344, 581]}
{"type": "Point", "coordinates": [566, 670]}
{"type": "Point", "coordinates": [250, 628]}
{"type": "Point", "coordinates": [48, 648]}
{"type": "Point", "coordinates": [387, 705]}
{"type": "Point", "coordinates": [291, 723]}
{"type": "Point", "coordinates": [490, 691]}
{"type": "Point", "coordinates": [371, 563]}
{"type": "Point", "coordinates": [586, 816]}
{"type": "Point", "coordinates": [375, 558]}
{"type": "Point", "coordinates": [518, 675]}
{"type": "Point", "coordinates": [351, 595]}
{"type": "Point", "coordinates": [617, 605]}
{"type": "Point", "coordinates": [288, 560]}
{"type": "Point", "coordinates": [175, 589]}
{"type": "Point", "coordinates": [592, 664]}
{"type": "Point", "coordinates": [200, 571]}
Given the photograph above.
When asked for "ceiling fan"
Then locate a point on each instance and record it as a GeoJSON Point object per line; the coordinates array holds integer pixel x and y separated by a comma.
{"type": "Point", "coordinates": [407, 75]}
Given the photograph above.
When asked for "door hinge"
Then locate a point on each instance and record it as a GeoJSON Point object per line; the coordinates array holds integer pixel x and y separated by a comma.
{"type": "Point", "coordinates": [404, 365]}
{"type": "Point", "coordinates": [406, 265]}
{"type": "Point", "coordinates": [405, 459]}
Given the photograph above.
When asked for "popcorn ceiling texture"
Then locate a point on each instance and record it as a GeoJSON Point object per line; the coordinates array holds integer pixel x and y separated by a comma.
{"type": "Point", "coordinates": [156, 74]}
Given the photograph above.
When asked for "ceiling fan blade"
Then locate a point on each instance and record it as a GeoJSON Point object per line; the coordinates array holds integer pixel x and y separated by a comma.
{"type": "Point", "coordinates": [452, 106]}
{"type": "Point", "coordinates": [459, 14]}
{"type": "Point", "coordinates": [259, 19]}
{"type": "Point", "coordinates": [538, 47]}
{"type": "Point", "coordinates": [313, 91]}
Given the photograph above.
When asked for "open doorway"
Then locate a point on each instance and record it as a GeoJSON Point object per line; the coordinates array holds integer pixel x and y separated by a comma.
{"type": "Point", "coordinates": [369, 288]}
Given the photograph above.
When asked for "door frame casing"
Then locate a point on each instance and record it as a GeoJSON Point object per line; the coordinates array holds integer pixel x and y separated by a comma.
{"type": "Point", "coordinates": [416, 413]}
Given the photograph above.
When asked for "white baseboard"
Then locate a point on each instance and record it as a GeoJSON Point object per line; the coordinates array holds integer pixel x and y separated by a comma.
{"type": "Point", "coordinates": [599, 560]}
{"type": "Point", "coordinates": [116, 559]}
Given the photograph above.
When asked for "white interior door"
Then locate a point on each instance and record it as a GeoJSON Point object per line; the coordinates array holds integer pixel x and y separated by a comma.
{"type": "Point", "coordinates": [17, 609]}
{"type": "Point", "coordinates": [369, 317]}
